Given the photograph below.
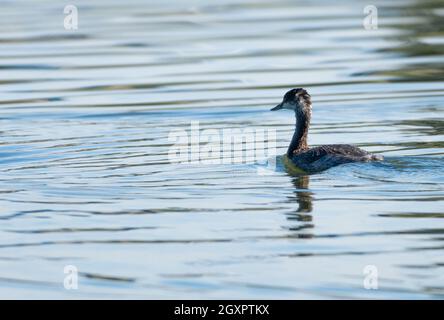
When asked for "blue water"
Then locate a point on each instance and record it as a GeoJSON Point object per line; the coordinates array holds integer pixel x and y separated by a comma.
{"type": "Point", "coordinates": [86, 180]}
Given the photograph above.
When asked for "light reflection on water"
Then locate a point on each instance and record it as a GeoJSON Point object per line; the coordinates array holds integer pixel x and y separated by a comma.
{"type": "Point", "coordinates": [85, 178]}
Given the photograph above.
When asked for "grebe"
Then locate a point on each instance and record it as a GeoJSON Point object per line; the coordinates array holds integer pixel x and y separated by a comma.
{"type": "Point", "coordinates": [302, 159]}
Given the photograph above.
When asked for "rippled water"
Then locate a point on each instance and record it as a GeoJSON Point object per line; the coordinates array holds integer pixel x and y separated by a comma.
{"type": "Point", "coordinates": [85, 177]}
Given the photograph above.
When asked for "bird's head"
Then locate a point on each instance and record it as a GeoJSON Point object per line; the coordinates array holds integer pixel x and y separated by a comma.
{"type": "Point", "coordinates": [296, 99]}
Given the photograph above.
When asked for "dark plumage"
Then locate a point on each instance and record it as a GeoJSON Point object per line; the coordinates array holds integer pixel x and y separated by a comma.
{"type": "Point", "coordinates": [319, 158]}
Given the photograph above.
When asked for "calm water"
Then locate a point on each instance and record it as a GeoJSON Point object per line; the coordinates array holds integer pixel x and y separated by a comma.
{"type": "Point", "coordinates": [85, 177]}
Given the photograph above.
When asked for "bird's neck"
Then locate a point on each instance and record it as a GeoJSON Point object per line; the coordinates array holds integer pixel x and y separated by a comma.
{"type": "Point", "coordinates": [299, 141]}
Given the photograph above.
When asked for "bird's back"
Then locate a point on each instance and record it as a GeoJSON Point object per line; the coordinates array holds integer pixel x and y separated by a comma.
{"type": "Point", "coordinates": [327, 156]}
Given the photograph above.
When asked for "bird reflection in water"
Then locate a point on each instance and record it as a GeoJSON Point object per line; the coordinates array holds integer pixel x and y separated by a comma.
{"type": "Point", "coordinates": [305, 206]}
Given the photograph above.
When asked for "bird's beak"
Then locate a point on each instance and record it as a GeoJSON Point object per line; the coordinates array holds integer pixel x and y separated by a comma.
{"type": "Point", "coordinates": [278, 107]}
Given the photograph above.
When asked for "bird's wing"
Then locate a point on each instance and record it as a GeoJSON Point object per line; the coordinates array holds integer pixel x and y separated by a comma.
{"type": "Point", "coordinates": [328, 161]}
{"type": "Point", "coordinates": [324, 157]}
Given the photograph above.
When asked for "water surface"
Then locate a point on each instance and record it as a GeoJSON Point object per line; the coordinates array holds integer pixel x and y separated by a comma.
{"type": "Point", "coordinates": [85, 177]}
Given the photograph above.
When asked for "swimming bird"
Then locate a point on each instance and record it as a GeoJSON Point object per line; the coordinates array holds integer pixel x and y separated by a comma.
{"type": "Point", "coordinates": [299, 156]}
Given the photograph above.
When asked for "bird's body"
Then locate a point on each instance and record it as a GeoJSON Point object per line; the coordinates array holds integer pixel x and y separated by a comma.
{"type": "Point", "coordinates": [327, 156]}
{"type": "Point", "coordinates": [311, 160]}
